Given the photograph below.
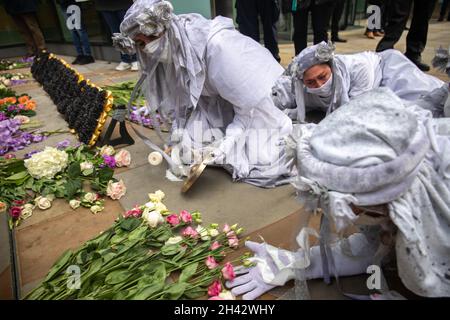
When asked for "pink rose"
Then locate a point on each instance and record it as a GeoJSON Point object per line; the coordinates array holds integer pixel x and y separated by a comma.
{"type": "Point", "coordinates": [211, 263]}
{"type": "Point", "coordinates": [215, 245]}
{"type": "Point", "coordinates": [123, 158]}
{"type": "Point", "coordinates": [15, 212]}
{"type": "Point", "coordinates": [214, 289]}
{"type": "Point", "coordinates": [116, 190]}
{"type": "Point", "coordinates": [18, 202]}
{"type": "Point", "coordinates": [233, 242]}
{"type": "Point", "coordinates": [185, 216]}
{"type": "Point", "coordinates": [135, 212]}
{"type": "Point", "coordinates": [228, 272]}
{"type": "Point", "coordinates": [190, 232]}
{"type": "Point", "coordinates": [216, 298]}
{"type": "Point", "coordinates": [226, 228]}
{"type": "Point", "coordinates": [10, 156]}
{"type": "Point", "coordinates": [173, 219]}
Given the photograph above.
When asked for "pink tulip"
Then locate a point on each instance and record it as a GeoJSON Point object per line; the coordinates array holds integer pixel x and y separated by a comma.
{"type": "Point", "coordinates": [215, 245]}
{"type": "Point", "coordinates": [226, 228]}
{"type": "Point", "coordinates": [214, 289]}
{"type": "Point", "coordinates": [15, 212]}
{"type": "Point", "coordinates": [185, 216]}
{"type": "Point", "coordinates": [211, 263]}
{"type": "Point", "coordinates": [228, 272]}
{"type": "Point", "coordinates": [190, 232]}
{"type": "Point", "coordinates": [135, 212]}
{"type": "Point", "coordinates": [173, 219]}
{"type": "Point", "coordinates": [233, 242]}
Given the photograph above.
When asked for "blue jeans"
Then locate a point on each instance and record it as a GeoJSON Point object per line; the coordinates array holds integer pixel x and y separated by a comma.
{"type": "Point", "coordinates": [113, 19]}
{"type": "Point", "coordinates": [79, 37]}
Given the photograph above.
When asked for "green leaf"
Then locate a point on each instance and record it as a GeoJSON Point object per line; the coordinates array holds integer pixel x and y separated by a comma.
{"type": "Point", "coordinates": [59, 265]}
{"type": "Point", "coordinates": [138, 233]}
{"type": "Point", "coordinates": [118, 276]}
{"type": "Point", "coordinates": [148, 291]}
{"type": "Point", "coordinates": [170, 249]}
{"type": "Point", "coordinates": [18, 176]}
{"type": "Point", "coordinates": [105, 174]}
{"type": "Point", "coordinates": [180, 254]}
{"type": "Point", "coordinates": [72, 187]}
{"type": "Point", "coordinates": [188, 272]}
{"type": "Point", "coordinates": [195, 293]}
{"type": "Point", "coordinates": [130, 224]}
{"type": "Point", "coordinates": [74, 170]}
{"type": "Point", "coordinates": [175, 291]}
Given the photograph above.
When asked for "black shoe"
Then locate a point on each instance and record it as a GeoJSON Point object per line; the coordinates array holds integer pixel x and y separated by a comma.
{"type": "Point", "coordinates": [86, 60]}
{"type": "Point", "coordinates": [77, 59]}
{"type": "Point", "coordinates": [337, 39]}
{"type": "Point", "coordinates": [422, 66]}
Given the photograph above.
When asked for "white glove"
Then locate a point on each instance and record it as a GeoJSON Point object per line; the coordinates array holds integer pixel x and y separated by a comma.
{"type": "Point", "coordinates": [252, 284]}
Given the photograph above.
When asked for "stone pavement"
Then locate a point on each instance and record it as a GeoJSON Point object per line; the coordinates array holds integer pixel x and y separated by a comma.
{"type": "Point", "coordinates": [43, 237]}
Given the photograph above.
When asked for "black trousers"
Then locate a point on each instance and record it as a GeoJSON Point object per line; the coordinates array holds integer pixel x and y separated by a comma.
{"type": "Point", "coordinates": [338, 9]}
{"type": "Point", "coordinates": [320, 15]}
{"type": "Point", "coordinates": [444, 8]}
{"type": "Point", "coordinates": [248, 12]}
{"type": "Point", "coordinates": [417, 35]}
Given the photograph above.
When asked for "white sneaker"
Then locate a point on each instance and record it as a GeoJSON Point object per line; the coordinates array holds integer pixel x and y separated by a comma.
{"type": "Point", "coordinates": [134, 66]}
{"type": "Point", "coordinates": [123, 66]}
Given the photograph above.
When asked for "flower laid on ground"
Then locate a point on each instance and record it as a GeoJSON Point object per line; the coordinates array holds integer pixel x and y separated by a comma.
{"type": "Point", "coordinates": [75, 173]}
{"type": "Point", "coordinates": [14, 106]}
{"type": "Point", "coordinates": [47, 163]}
{"type": "Point", "coordinates": [122, 158]}
{"type": "Point", "coordinates": [116, 190]}
{"type": "Point", "coordinates": [10, 65]}
{"type": "Point", "coordinates": [13, 138]}
{"type": "Point", "coordinates": [12, 79]}
{"type": "Point", "coordinates": [142, 257]}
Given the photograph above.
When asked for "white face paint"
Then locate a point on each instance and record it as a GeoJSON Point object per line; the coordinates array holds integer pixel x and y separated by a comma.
{"type": "Point", "coordinates": [153, 46]}
{"type": "Point", "coordinates": [324, 90]}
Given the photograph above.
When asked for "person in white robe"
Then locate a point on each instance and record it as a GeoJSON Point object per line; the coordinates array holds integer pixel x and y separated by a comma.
{"type": "Point", "coordinates": [370, 152]}
{"type": "Point", "coordinates": [320, 79]}
{"type": "Point", "coordinates": [214, 84]}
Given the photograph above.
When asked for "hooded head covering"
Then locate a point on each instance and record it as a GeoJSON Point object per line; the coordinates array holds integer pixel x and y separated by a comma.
{"type": "Point", "coordinates": [318, 54]}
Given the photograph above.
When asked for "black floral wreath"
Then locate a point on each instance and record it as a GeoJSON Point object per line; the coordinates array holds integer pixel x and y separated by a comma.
{"type": "Point", "coordinates": [78, 102]}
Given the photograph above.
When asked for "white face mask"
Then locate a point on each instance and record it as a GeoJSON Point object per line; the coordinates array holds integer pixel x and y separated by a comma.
{"type": "Point", "coordinates": [151, 47]}
{"type": "Point", "coordinates": [324, 90]}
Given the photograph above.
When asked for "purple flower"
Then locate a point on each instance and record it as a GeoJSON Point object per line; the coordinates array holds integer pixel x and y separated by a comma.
{"type": "Point", "coordinates": [38, 138]}
{"type": "Point", "coordinates": [63, 144]}
{"type": "Point", "coordinates": [29, 154]}
{"type": "Point", "coordinates": [109, 161]}
{"type": "Point", "coordinates": [3, 116]}
{"type": "Point", "coordinates": [18, 82]}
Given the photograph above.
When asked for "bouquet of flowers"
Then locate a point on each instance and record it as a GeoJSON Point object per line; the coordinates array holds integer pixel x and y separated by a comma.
{"type": "Point", "coordinates": [148, 253]}
{"type": "Point", "coordinates": [13, 134]}
{"type": "Point", "coordinates": [78, 174]}
{"type": "Point", "coordinates": [10, 65]}
{"type": "Point", "coordinates": [12, 79]}
{"type": "Point", "coordinates": [13, 106]}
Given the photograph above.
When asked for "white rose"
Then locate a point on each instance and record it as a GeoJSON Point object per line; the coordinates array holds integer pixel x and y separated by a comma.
{"type": "Point", "coordinates": [213, 232]}
{"type": "Point", "coordinates": [153, 218]}
{"type": "Point", "coordinates": [157, 196]}
{"type": "Point", "coordinates": [7, 82]}
{"type": "Point", "coordinates": [174, 240]}
{"type": "Point", "coordinates": [123, 158]}
{"type": "Point", "coordinates": [96, 209]}
{"type": "Point", "coordinates": [227, 295]}
{"type": "Point", "coordinates": [15, 78]}
{"type": "Point", "coordinates": [116, 190]}
{"type": "Point", "coordinates": [107, 150]}
{"type": "Point", "coordinates": [203, 232]}
{"type": "Point", "coordinates": [43, 203]}
{"type": "Point", "coordinates": [74, 204]}
{"type": "Point", "coordinates": [22, 119]}
{"type": "Point", "coordinates": [90, 197]}
{"type": "Point", "coordinates": [159, 206]}
{"type": "Point", "coordinates": [150, 205]}
{"type": "Point", "coordinates": [87, 167]}
{"type": "Point", "coordinates": [27, 211]}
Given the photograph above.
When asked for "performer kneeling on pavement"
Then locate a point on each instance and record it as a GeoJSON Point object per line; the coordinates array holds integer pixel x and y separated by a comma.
{"type": "Point", "coordinates": [383, 167]}
{"type": "Point", "coordinates": [215, 85]}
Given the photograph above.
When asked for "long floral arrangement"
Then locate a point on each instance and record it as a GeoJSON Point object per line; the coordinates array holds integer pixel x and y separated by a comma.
{"type": "Point", "coordinates": [76, 173]}
{"type": "Point", "coordinates": [148, 253]}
